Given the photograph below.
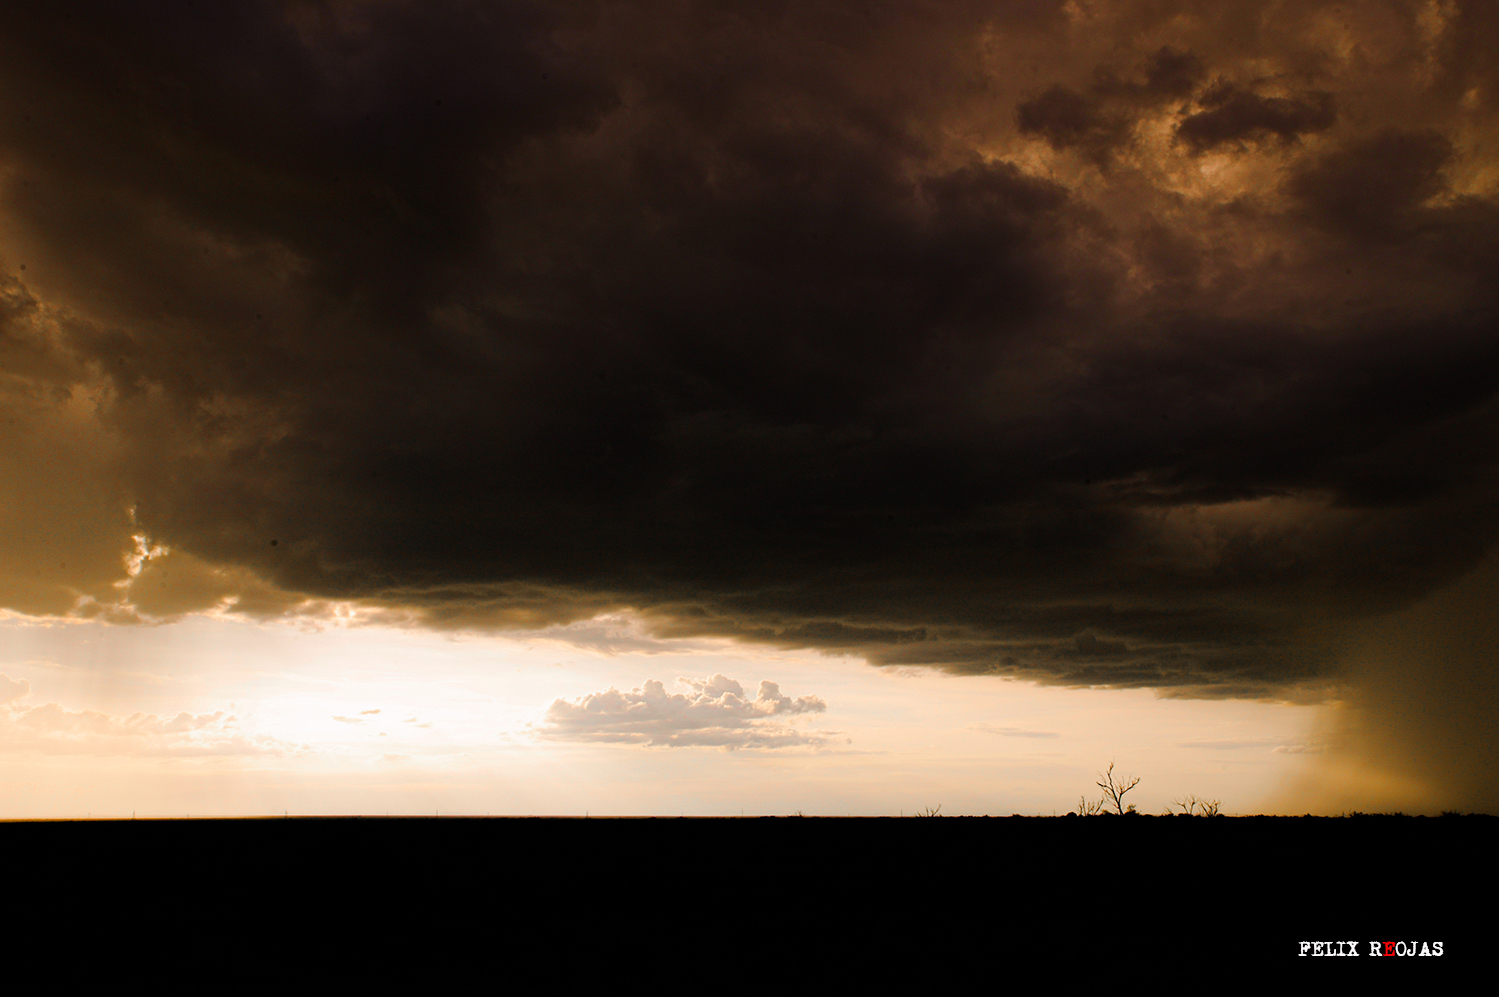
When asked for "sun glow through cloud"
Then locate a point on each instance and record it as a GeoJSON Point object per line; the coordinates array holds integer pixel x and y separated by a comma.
{"type": "Point", "coordinates": [407, 721]}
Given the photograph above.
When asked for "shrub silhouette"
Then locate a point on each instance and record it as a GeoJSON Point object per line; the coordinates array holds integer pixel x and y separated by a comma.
{"type": "Point", "coordinates": [1087, 807]}
{"type": "Point", "coordinates": [1192, 804]}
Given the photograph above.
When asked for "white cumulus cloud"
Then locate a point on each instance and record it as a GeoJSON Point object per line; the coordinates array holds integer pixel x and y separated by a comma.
{"type": "Point", "coordinates": [716, 712]}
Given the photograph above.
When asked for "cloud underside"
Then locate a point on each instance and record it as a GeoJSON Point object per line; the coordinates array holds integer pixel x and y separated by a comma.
{"type": "Point", "coordinates": [1129, 344]}
{"type": "Point", "coordinates": [716, 713]}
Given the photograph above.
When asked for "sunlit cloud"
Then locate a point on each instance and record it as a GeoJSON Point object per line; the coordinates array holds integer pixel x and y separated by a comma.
{"type": "Point", "coordinates": [715, 713]}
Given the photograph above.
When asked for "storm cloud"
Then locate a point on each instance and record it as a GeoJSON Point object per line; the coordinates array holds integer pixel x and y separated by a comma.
{"type": "Point", "coordinates": [1121, 344]}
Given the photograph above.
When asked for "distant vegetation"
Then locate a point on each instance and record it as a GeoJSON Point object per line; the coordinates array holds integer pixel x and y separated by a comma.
{"type": "Point", "coordinates": [1112, 801]}
{"type": "Point", "coordinates": [1114, 788]}
{"type": "Point", "coordinates": [1193, 805]}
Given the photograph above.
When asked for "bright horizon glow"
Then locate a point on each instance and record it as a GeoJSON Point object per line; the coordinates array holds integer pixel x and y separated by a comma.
{"type": "Point", "coordinates": [219, 716]}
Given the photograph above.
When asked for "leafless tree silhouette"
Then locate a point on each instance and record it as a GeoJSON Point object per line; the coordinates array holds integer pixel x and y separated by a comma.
{"type": "Point", "coordinates": [1114, 789]}
{"type": "Point", "coordinates": [1194, 804]}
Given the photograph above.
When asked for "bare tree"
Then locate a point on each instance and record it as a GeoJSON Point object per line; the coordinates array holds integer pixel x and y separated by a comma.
{"type": "Point", "coordinates": [1114, 789]}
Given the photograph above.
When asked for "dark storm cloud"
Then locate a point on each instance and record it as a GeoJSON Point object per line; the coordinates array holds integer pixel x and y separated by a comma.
{"type": "Point", "coordinates": [1066, 118]}
{"type": "Point", "coordinates": [1374, 187]}
{"type": "Point", "coordinates": [1169, 74]}
{"type": "Point", "coordinates": [918, 332]}
{"type": "Point", "coordinates": [1234, 115]}
{"type": "Point", "coordinates": [1100, 120]}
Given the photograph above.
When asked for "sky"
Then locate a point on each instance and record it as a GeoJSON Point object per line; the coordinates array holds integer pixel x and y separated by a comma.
{"type": "Point", "coordinates": [718, 407]}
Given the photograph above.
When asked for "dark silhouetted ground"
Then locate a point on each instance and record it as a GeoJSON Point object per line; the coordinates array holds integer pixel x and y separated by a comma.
{"type": "Point", "coordinates": [808, 900]}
